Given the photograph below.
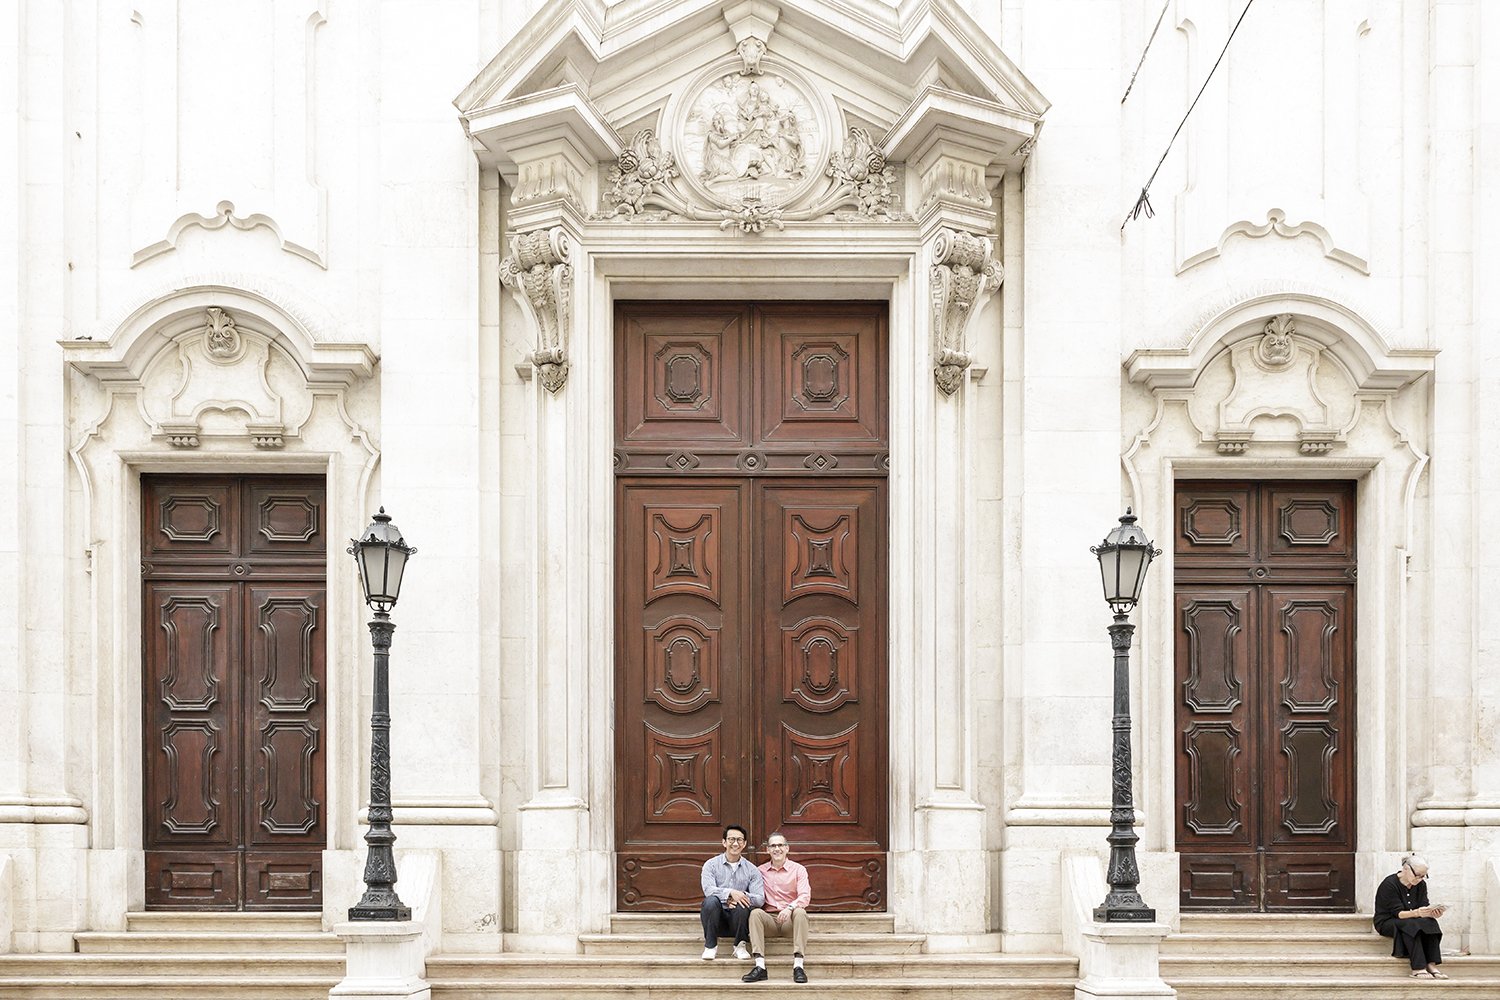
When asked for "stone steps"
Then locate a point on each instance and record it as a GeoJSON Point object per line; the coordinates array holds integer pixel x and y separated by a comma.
{"type": "Point", "coordinates": [687, 923]}
{"type": "Point", "coordinates": [1302, 957]}
{"type": "Point", "coordinates": [186, 956]}
{"type": "Point", "coordinates": [453, 969]}
{"type": "Point", "coordinates": [691, 944]}
{"type": "Point", "coordinates": [266, 986]}
{"type": "Point", "coordinates": [657, 956]}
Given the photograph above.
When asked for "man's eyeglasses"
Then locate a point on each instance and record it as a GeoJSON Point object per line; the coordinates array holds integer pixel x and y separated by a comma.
{"type": "Point", "coordinates": [777, 847]}
{"type": "Point", "coordinates": [734, 840]}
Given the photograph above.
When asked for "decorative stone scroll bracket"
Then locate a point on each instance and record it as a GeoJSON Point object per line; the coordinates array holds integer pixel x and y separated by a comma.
{"type": "Point", "coordinates": [538, 270]}
{"type": "Point", "coordinates": [964, 274]}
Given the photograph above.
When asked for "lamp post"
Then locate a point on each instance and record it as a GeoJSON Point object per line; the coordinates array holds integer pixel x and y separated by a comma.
{"type": "Point", "coordinates": [1124, 556]}
{"type": "Point", "coordinates": [381, 554]}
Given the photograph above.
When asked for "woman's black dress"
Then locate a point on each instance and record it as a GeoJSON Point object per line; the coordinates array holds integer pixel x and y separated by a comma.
{"type": "Point", "coordinates": [1415, 938]}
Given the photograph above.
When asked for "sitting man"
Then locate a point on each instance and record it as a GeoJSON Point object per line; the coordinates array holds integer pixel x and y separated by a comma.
{"type": "Point", "coordinates": [1402, 913]}
{"type": "Point", "coordinates": [731, 889]}
{"type": "Point", "coordinates": [787, 896]}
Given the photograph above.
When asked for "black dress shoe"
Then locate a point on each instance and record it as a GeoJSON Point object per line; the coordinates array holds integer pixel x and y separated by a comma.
{"type": "Point", "coordinates": [798, 976]}
{"type": "Point", "coordinates": [755, 975]}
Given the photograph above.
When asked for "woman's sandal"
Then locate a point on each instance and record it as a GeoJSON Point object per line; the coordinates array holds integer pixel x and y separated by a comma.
{"type": "Point", "coordinates": [1435, 974]}
{"type": "Point", "coordinates": [1421, 974]}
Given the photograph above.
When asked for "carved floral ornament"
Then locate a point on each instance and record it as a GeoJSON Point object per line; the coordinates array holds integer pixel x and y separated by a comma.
{"type": "Point", "coordinates": [537, 269]}
{"type": "Point", "coordinates": [964, 273]}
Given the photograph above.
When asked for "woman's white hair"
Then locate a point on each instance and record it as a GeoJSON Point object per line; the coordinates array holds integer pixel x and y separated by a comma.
{"type": "Point", "coordinates": [1415, 861]}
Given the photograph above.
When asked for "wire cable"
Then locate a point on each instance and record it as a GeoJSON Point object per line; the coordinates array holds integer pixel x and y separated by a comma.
{"type": "Point", "coordinates": [1143, 203]}
{"type": "Point", "coordinates": [1138, 65]}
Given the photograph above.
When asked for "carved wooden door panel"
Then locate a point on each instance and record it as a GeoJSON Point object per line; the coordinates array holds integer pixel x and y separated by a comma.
{"type": "Point", "coordinates": [822, 693]}
{"type": "Point", "coordinates": [750, 682]}
{"type": "Point", "coordinates": [1266, 681]}
{"type": "Point", "coordinates": [234, 671]}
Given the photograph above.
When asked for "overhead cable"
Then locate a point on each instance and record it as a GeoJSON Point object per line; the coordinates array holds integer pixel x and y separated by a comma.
{"type": "Point", "coordinates": [1138, 65]}
{"type": "Point", "coordinates": [1143, 203]}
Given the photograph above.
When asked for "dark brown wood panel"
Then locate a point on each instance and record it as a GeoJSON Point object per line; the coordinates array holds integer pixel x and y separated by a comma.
{"type": "Point", "coordinates": [233, 691]}
{"type": "Point", "coordinates": [1265, 711]}
{"type": "Point", "coordinates": [823, 682]}
{"type": "Point", "coordinates": [751, 538]}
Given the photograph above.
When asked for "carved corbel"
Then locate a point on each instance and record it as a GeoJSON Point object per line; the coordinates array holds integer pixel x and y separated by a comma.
{"type": "Point", "coordinates": [538, 271]}
{"type": "Point", "coordinates": [964, 273]}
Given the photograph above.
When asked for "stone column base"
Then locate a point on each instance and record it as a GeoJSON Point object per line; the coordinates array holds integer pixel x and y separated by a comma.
{"type": "Point", "coordinates": [1121, 962]}
{"type": "Point", "coordinates": [383, 961]}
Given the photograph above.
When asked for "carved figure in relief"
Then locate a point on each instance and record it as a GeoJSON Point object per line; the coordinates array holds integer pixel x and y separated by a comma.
{"type": "Point", "coordinates": [750, 136]}
{"type": "Point", "coordinates": [788, 893]}
{"type": "Point", "coordinates": [732, 887]}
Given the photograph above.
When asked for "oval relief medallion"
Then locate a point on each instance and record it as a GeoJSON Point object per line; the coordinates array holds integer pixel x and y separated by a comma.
{"type": "Point", "coordinates": [751, 138]}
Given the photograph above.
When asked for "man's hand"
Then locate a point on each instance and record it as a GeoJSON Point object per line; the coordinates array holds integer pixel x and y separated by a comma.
{"type": "Point", "coordinates": [783, 916]}
{"type": "Point", "coordinates": [737, 898]}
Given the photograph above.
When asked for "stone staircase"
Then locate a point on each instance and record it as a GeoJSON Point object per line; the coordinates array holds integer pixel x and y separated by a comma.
{"type": "Point", "coordinates": [186, 956]}
{"type": "Point", "coordinates": [859, 955]}
{"type": "Point", "coordinates": [1295, 956]}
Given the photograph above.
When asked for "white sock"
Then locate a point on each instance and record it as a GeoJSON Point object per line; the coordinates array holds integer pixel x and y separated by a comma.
{"type": "Point", "coordinates": [796, 961]}
{"type": "Point", "coordinates": [760, 961]}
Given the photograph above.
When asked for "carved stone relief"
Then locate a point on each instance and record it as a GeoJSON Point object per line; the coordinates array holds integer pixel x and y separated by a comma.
{"type": "Point", "coordinates": [964, 272]}
{"type": "Point", "coordinates": [223, 388]}
{"type": "Point", "coordinates": [538, 271]}
{"type": "Point", "coordinates": [751, 137]}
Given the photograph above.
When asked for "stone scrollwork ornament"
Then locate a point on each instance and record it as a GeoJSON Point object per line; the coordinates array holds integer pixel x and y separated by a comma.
{"type": "Point", "coordinates": [861, 174]}
{"type": "Point", "coordinates": [220, 337]}
{"type": "Point", "coordinates": [641, 174]}
{"type": "Point", "coordinates": [538, 270]}
{"type": "Point", "coordinates": [751, 49]}
{"type": "Point", "coordinates": [963, 272]}
{"type": "Point", "coordinates": [1276, 349]}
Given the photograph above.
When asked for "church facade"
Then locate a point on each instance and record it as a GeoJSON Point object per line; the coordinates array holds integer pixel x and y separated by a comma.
{"type": "Point", "coordinates": [753, 379]}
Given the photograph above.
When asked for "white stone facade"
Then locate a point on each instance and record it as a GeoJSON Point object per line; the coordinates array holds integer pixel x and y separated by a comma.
{"type": "Point", "coordinates": [418, 217]}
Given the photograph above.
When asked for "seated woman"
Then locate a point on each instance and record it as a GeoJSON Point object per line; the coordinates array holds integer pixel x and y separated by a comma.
{"type": "Point", "coordinates": [1402, 913]}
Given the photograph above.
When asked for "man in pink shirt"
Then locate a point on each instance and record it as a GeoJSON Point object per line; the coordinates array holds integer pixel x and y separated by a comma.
{"type": "Point", "coordinates": [787, 896]}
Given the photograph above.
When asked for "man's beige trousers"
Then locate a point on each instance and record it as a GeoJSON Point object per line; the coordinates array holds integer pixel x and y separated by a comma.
{"type": "Point", "coordinates": [763, 923]}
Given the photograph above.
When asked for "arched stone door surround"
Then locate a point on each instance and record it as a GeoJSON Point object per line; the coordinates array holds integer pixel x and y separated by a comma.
{"type": "Point", "coordinates": [270, 393]}
{"type": "Point", "coordinates": [1287, 383]}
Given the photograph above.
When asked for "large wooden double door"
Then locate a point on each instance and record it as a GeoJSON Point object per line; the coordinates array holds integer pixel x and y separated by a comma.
{"type": "Point", "coordinates": [751, 593]}
{"type": "Point", "coordinates": [233, 604]}
{"type": "Point", "coordinates": [1265, 695]}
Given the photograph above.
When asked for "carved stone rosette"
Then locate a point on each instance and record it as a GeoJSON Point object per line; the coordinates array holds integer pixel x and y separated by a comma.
{"type": "Point", "coordinates": [964, 272]}
{"type": "Point", "coordinates": [537, 269]}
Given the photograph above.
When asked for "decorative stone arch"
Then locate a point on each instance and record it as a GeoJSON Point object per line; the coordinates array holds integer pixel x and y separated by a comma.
{"type": "Point", "coordinates": [1287, 384]}
{"type": "Point", "coordinates": [207, 378]}
{"type": "Point", "coordinates": [621, 180]}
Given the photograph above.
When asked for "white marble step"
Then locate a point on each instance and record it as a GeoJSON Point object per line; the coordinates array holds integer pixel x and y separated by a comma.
{"type": "Point", "coordinates": [826, 968]}
{"type": "Point", "coordinates": [687, 923]}
{"type": "Point", "coordinates": [690, 943]}
{"type": "Point", "coordinates": [266, 986]}
{"type": "Point", "coordinates": [224, 922]}
{"type": "Point", "coordinates": [780, 988]}
{"type": "Point", "coordinates": [1393, 985]}
{"type": "Point", "coordinates": [194, 965]}
{"type": "Point", "coordinates": [1302, 967]}
{"type": "Point", "coordinates": [207, 942]}
{"type": "Point", "coordinates": [1273, 944]}
{"type": "Point", "coordinates": [1254, 923]}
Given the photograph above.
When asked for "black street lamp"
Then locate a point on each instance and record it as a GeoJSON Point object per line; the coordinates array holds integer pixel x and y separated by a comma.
{"type": "Point", "coordinates": [1124, 556]}
{"type": "Point", "coordinates": [381, 554]}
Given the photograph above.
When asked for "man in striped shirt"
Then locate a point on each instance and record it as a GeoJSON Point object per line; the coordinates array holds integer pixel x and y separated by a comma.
{"type": "Point", "coordinates": [787, 895]}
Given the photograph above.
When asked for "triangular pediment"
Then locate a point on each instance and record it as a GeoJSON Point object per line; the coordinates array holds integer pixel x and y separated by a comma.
{"type": "Point", "coordinates": [750, 100]}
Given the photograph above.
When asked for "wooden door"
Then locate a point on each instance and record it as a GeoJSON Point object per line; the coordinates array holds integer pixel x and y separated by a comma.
{"type": "Point", "coordinates": [1264, 595]}
{"type": "Point", "coordinates": [233, 605]}
{"type": "Point", "coordinates": [751, 595]}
